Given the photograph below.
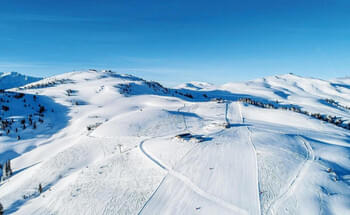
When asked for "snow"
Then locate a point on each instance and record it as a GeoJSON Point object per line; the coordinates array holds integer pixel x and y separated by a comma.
{"type": "Point", "coordinates": [118, 144]}
{"type": "Point", "coordinates": [14, 79]}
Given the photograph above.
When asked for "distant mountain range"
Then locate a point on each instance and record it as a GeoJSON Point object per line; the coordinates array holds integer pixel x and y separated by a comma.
{"type": "Point", "coordinates": [10, 80]}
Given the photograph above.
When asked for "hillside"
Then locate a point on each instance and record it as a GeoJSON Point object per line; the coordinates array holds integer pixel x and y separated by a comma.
{"type": "Point", "coordinates": [14, 79]}
{"type": "Point", "coordinates": [105, 143]}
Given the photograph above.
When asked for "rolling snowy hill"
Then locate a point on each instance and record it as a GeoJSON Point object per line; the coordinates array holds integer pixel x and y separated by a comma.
{"type": "Point", "coordinates": [106, 143]}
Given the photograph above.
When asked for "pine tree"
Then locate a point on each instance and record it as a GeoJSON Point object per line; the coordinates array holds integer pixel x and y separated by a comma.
{"type": "Point", "coordinates": [3, 176]}
{"type": "Point", "coordinates": [40, 189]}
{"type": "Point", "coordinates": [9, 167]}
{"type": "Point", "coordinates": [6, 170]}
{"type": "Point", "coordinates": [1, 209]}
{"type": "Point", "coordinates": [41, 109]}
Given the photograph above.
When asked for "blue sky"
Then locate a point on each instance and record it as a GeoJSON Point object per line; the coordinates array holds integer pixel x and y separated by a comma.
{"type": "Point", "coordinates": [177, 41]}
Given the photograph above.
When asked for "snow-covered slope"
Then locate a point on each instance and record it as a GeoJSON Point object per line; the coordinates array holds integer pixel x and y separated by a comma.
{"type": "Point", "coordinates": [117, 144]}
{"type": "Point", "coordinates": [14, 79]}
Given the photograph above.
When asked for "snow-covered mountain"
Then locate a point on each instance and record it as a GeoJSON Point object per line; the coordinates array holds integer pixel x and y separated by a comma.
{"type": "Point", "coordinates": [98, 142]}
{"type": "Point", "coordinates": [13, 79]}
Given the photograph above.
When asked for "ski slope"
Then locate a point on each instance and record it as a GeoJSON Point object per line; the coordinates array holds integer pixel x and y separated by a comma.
{"type": "Point", "coordinates": [208, 173]}
{"type": "Point", "coordinates": [118, 144]}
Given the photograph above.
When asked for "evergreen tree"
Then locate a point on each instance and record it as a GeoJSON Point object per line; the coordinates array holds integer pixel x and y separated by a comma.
{"type": "Point", "coordinates": [6, 171]}
{"type": "Point", "coordinates": [40, 189]}
{"type": "Point", "coordinates": [1, 209]}
{"type": "Point", "coordinates": [9, 167]}
{"type": "Point", "coordinates": [3, 176]}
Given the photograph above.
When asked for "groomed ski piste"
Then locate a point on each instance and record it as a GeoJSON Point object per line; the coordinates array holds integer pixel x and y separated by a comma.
{"type": "Point", "coordinates": [117, 144]}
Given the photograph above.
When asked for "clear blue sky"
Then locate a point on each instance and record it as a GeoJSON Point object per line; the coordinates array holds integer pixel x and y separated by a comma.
{"type": "Point", "coordinates": [179, 40]}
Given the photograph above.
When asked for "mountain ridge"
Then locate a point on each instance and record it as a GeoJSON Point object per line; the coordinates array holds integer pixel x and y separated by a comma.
{"type": "Point", "coordinates": [106, 143]}
{"type": "Point", "coordinates": [10, 80]}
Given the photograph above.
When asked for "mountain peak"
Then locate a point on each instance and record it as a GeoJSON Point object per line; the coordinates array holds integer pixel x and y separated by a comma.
{"type": "Point", "coordinates": [14, 79]}
{"type": "Point", "coordinates": [195, 85]}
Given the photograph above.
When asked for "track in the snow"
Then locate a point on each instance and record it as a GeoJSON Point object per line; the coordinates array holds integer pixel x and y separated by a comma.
{"type": "Point", "coordinates": [191, 185]}
{"type": "Point", "coordinates": [310, 157]}
{"type": "Point", "coordinates": [255, 154]}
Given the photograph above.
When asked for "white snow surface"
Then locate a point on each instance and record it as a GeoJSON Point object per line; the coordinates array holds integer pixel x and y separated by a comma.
{"type": "Point", "coordinates": [13, 79]}
{"type": "Point", "coordinates": [109, 144]}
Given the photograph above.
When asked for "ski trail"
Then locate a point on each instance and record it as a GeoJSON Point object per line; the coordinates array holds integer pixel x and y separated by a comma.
{"type": "Point", "coordinates": [150, 157]}
{"type": "Point", "coordinates": [151, 197]}
{"type": "Point", "coordinates": [235, 209]}
{"type": "Point", "coordinates": [310, 157]}
{"type": "Point", "coordinates": [190, 184]}
{"type": "Point", "coordinates": [206, 195]}
{"type": "Point", "coordinates": [255, 156]}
